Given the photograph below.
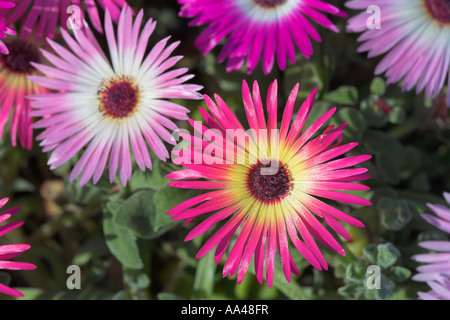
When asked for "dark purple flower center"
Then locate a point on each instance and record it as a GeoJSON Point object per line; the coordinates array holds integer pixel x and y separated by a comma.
{"type": "Point", "coordinates": [118, 98]}
{"type": "Point", "coordinates": [269, 182]}
{"type": "Point", "coordinates": [439, 10]}
{"type": "Point", "coordinates": [20, 55]}
{"type": "Point", "coordinates": [269, 3]}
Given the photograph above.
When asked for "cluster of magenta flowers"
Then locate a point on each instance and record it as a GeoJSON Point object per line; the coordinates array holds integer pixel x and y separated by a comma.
{"type": "Point", "coordinates": [114, 107]}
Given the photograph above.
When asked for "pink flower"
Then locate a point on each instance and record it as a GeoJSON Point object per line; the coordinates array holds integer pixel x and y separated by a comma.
{"type": "Point", "coordinates": [7, 252]}
{"type": "Point", "coordinates": [436, 270]}
{"type": "Point", "coordinates": [4, 28]}
{"type": "Point", "coordinates": [271, 28]}
{"type": "Point", "coordinates": [414, 37]}
{"type": "Point", "coordinates": [106, 106]}
{"type": "Point", "coordinates": [15, 87]}
{"type": "Point", "coordinates": [44, 17]}
{"type": "Point", "coordinates": [267, 183]}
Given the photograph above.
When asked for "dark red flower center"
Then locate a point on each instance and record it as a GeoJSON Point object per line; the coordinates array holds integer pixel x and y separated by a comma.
{"type": "Point", "coordinates": [119, 97]}
{"type": "Point", "coordinates": [269, 3]}
{"type": "Point", "coordinates": [439, 10]}
{"type": "Point", "coordinates": [269, 182]}
{"type": "Point", "coordinates": [20, 55]}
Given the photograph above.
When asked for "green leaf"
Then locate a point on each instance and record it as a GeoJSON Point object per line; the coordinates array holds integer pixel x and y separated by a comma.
{"type": "Point", "coordinates": [399, 274]}
{"type": "Point", "coordinates": [145, 211]}
{"type": "Point", "coordinates": [94, 247]}
{"type": "Point", "coordinates": [415, 160]}
{"type": "Point", "coordinates": [355, 271]}
{"type": "Point", "coordinates": [346, 95]}
{"type": "Point", "coordinates": [87, 293]}
{"type": "Point", "coordinates": [388, 153]}
{"type": "Point", "coordinates": [371, 252]}
{"type": "Point", "coordinates": [378, 86]}
{"type": "Point", "coordinates": [169, 296]}
{"type": "Point", "coordinates": [356, 124]}
{"type": "Point", "coordinates": [349, 289]}
{"type": "Point", "coordinates": [136, 214]}
{"type": "Point", "coordinates": [394, 214]}
{"type": "Point", "coordinates": [388, 255]}
{"type": "Point", "coordinates": [135, 279]}
{"type": "Point", "coordinates": [165, 199]}
{"type": "Point", "coordinates": [397, 115]}
{"type": "Point", "coordinates": [154, 179]}
{"type": "Point", "coordinates": [204, 277]}
{"type": "Point", "coordinates": [291, 290]}
{"type": "Point", "coordinates": [120, 241]}
{"type": "Point", "coordinates": [373, 114]}
{"type": "Point", "coordinates": [387, 287]}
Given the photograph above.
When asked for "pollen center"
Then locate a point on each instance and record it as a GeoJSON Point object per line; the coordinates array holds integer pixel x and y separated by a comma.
{"type": "Point", "coordinates": [269, 3]}
{"type": "Point", "coordinates": [118, 97]}
{"type": "Point", "coordinates": [20, 56]}
{"type": "Point", "coordinates": [269, 182]}
{"type": "Point", "coordinates": [439, 10]}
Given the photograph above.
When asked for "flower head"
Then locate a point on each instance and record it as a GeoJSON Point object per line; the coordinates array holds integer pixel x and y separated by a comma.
{"type": "Point", "coordinates": [4, 28]}
{"type": "Point", "coordinates": [436, 271]}
{"type": "Point", "coordinates": [108, 106]}
{"type": "Point", "coordinates": [255, 28]}
{"type": "Point", "coordinates": [7, 252]}
{"type": "Point", "coordinates": [267, 183]}
{"type": "Point", "coordinates": [15, 87]}
{"type": "Point", "coordinates": [414, 36]}
{"type": "Point", "coordinates": [42, 18]}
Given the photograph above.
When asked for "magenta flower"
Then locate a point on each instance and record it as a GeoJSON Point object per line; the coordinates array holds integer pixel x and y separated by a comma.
{"type": "Point", "coordinates": [15, 87]}
{"type": "Point", "coordinates": [436, 271]}
{"type": "Point", "coordinates": [414, 37]}
{"type": "Point", "coordinates": [7, 252]}
{"type": "Point", "coordinates": [258, 27]}
{"type": "Point", "coordinates": [4, 28]}
{"type": "Point", "coordinates": [267, 183]}
{"type": "Point", "coordinates": [43, 17]}
{"type": "Point", "coordinates": [106, 106]}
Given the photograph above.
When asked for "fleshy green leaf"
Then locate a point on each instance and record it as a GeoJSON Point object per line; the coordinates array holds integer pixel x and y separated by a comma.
{"type": "Point", "coordinates": [394, 214]}
{"type": "Point", "coordinates": [346, 95]}
{"type": "Point", "coordinates": [120, 241]}
{"type": "Point", "coordinates": [399, 274]}
{"type": "Point", "coordinates": [378, 86]}
{"type": "Point", "coordinates": [204, 277]}
{"type": "Point", "coordinates": [388, 255]}
{"type": "Point", "coordinates": [388, 153]}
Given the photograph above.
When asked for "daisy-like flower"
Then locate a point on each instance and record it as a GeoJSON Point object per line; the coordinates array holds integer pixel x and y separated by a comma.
{"type": "Point", "coordinates": [436, 271]}
{"type": "Point", "coordinates": [4, 28]}
{"type": "Point", "coordinates": [414, 37]}
{"type": "Point", "coordinates": [108, 106]}
{"type": "Point", "coordinates": [255, 28]}
{"type": "Point", "coordinates": [267, 183]}
{"type": "Point", "coordinates": [15, 87]}
{"type": "Point", "coordinates": [43, 17]}
{"type": "Point", "coordinates": [8, 252]}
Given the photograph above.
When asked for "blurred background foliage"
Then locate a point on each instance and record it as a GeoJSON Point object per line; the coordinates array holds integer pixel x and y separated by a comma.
{"type": "Point", "coordinates": [126, 246]}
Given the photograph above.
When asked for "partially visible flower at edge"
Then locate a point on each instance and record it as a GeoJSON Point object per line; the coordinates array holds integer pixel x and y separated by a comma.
{"type": "Point", "coordinates": [414, 37]}
{"type": "Point", "coordinates": [11, 251]}
{"type": "Point", "coordinates": [44, 17]}
{"type": "Point", "coordinates": [436, 271]}
{"type": "Point", "coordinates": [255, 29]}
{"type": "Point", "coordinates": [5, 29]}
{"type": "Point", "coordinates": [15, 87]}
